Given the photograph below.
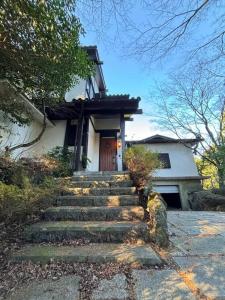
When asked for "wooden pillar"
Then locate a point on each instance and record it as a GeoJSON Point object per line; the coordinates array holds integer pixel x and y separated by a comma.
{"type": "Point", "coordinates": [122, 129]}
{"type": "Point", "coordinates": [86, 132]}
{"type": "Point", "coordinates": [78, 140]}
{"type": "Point", "coordinates": [66, 134]}
{"type": "Point", "coordinates": [78, 144]}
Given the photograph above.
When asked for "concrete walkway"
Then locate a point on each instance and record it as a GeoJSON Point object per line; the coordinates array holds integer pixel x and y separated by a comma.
{"type": "Point", "coordinates": [199, 251]}
{"type": "Point", "coordinates": [195, 268]}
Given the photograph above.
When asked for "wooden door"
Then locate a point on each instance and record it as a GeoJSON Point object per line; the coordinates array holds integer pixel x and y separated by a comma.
{"type": "Point", "coordinates": [107, 154]}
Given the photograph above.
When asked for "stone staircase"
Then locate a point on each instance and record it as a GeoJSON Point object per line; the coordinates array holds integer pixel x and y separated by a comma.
{"type": "Point", "coordinates": [101, 207]}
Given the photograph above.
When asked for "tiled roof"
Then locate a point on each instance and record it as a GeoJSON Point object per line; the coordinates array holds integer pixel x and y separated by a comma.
{"type": "Point", "coordinates": [120, 97]}
{"type": "Point", "coordinates": [161, 139]}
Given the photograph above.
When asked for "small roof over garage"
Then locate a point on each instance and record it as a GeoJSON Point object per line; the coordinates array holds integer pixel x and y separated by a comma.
{"type": "Point", "coordinates": [161, 139]}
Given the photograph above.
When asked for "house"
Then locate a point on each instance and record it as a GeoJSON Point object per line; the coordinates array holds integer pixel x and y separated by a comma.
{"type": "Point", "coordinates": [89, 122]}
{"type": "Point", "coordinates": [178, 175]}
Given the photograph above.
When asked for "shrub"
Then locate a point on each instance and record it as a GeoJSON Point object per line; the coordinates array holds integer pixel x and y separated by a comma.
{"type": "Point", "coordinates": [85, 161]}
{"type": "Point", "coordinates": [56, 163]}
{"type": "Point", "coordinates": [6, 170]}
{"type": "Point", "coordinates": [141, 163]}
{"type": "Point", "coordinates": [28, 185]}
{"type": "Point", "coordinates": [16, 203]}
{"type": "Point", "coordinates": [63, 157]}
{"type": "Point", "coordinates": [20, 171]}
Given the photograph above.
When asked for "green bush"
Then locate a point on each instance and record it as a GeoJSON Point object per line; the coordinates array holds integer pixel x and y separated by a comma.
{"type": "Point", "coordinates": [56, 163]}
{"type": "Point", "coordinates": [28, 185]}
{"type": "Point", "coordinates": [18, 171]}
{"type": "Point", "coordinates": [141, 163]}
{"type": "Point", "coordinates": [85, 161]}
{"type": "Point", "coordinates": [16, 203]}
{"type": "Point", "coordinates": [63, 159]}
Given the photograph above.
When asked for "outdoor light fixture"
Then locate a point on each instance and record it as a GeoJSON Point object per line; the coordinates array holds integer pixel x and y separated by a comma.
{"type": "Point", "coordinates": [119, 144]}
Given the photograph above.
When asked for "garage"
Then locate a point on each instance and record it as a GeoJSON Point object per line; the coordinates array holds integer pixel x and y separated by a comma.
{"type": "Point", "coordinates": [170, 194]}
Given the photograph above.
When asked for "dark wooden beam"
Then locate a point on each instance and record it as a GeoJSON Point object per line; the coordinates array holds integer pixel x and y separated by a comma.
{"type": "Point", "coordinates": [66, 134]}
{"type": "Point", "coordinates": [78, 139]}
{"type": "Point", "coordinates": [106, 130]}
{"type": "Point", "coordinates": [86, 132]}
{"type": "Point", "coordinates": [71, 110]}
{"type": "Point", "coordinates": [78, 143]}
{"type": "Point", "coordinates": [111, 111]}
{"type": "Point", "coordinates": [92, 124]}
{"type": "Point", "coordinates": [122, 128]}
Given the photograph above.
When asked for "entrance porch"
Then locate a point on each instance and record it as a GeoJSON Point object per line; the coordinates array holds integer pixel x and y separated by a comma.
{"type": "Point", "coordinates": [95, 130]}
{"type": "Point", "coordinates": [105, 143]}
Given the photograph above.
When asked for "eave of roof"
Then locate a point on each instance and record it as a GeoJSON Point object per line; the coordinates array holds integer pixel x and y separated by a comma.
{"type": "Point", "coordinates": [108, 105]}
{"type": "Point", "coordinates": [94, 56]}
{"type": "Point", "coordinates": [160, 139]}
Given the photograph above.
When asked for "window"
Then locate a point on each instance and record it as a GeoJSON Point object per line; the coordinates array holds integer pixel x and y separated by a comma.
{"type": "Point", "coordinates": [164, 160]}
{"type": "Point", "coordinates": [90, 89]}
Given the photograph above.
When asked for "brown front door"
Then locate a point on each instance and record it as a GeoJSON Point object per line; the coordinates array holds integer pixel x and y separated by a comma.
{"type": "Point", "coordinates": [107, 154]}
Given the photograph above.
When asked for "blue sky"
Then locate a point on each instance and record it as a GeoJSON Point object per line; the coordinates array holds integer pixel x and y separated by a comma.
{"type": "Point", "coordinates": [126, 75]}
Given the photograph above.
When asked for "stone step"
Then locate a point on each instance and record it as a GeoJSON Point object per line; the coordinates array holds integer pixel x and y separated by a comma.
{"type": "Point", "coordinates": [140, 255]}
{"type": "Point", "coordinates": [100, 184]}
{"type": "Point", "coordinates": [96, 232]}
{"type": "Point", "coordinates": [100, 191]}
{"type": "Point", "coordinates": [97, 177]}
{"type": "Point", "coordinates": [122, 200]}
{"type": "Point", "coordinates": [101, 213]}
{"type": "Point", "coordinates": [98, 173]}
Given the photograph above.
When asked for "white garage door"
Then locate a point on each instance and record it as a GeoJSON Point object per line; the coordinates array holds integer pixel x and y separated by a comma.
{"type": "Point", "coordinates": [166, 189]}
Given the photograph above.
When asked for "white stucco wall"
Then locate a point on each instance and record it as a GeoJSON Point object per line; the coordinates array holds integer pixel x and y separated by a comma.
{"type": "Point", "coordinates": [111, 123]}
{"type": "Point", "coordinates": [15, 134]}
{"type": "Point", "coordinates": [93, 148]}
{"type": "Point", "coordinates": [181, 160]}
{"type": "Point", "coordinates": [53, 136]}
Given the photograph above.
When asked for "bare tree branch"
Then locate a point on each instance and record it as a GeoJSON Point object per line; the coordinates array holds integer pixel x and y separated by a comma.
{"type": "Point", "coordinates": [194, 105]}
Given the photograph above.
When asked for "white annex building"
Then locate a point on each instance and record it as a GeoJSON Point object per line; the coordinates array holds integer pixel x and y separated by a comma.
{"type": "Point", "coordinates": [178, 175]}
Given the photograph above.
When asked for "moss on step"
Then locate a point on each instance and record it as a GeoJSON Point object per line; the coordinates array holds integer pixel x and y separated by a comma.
{"type": "Point", "coordinates": [103, 213]}
{"type": "Point", "coordinates": [93, 253]}
{"type": "Point", "coordinates": [93, 231]}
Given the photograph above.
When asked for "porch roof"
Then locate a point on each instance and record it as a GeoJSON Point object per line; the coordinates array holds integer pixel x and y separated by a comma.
{"type": "Point", "coordinates": [113, 104]}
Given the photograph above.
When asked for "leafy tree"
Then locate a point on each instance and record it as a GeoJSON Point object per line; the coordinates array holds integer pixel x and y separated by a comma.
{"type": "Point", "coordinates": [40, 52]}
{"type": "Point", "coordinates": [205, 168]}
